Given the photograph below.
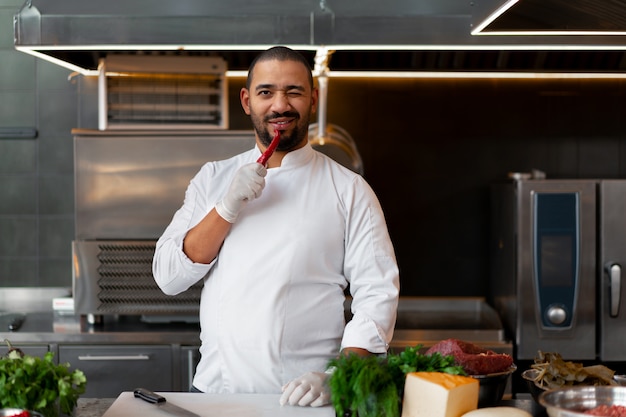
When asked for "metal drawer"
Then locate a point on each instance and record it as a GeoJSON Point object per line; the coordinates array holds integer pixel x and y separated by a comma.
{"type": "Point", "coordinates": [32, 350]}
{"type": "Point", "coordinates": [111, 370]}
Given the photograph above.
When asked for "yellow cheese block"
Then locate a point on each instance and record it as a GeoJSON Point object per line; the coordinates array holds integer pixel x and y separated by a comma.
{"type": "Point", "coordinates": [437, 394]}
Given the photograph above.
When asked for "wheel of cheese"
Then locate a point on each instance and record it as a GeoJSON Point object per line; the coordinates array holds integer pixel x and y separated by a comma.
{"type": "Point", "coordinates": [497, 412]}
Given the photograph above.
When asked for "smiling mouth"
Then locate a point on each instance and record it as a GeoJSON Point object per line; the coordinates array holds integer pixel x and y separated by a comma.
{"type": "Point", "coordinates": [281, 125]}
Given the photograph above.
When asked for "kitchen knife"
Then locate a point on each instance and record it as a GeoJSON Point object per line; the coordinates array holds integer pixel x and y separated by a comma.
{"type": "Point", "coordinates": [162, 403]}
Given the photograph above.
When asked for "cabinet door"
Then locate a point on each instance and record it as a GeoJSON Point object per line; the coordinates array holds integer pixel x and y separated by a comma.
{"type": "Point", "coordinates": [189, 358]}
{"type": "Point", "coordinates": [32, 350]}
{"type": "Point", "coordinates": [111, 370]}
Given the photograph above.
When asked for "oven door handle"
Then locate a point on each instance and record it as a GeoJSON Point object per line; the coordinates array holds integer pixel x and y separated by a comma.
{"type": "Point", "coordinates": [615, 288]}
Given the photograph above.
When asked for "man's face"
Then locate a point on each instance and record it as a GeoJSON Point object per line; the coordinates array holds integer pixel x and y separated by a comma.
{"type": "Point", "coordinates": [280, 98]}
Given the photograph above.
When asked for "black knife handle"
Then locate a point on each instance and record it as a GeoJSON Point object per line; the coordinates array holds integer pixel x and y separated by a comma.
{"type": "Point", "coordinates": [149, 396]}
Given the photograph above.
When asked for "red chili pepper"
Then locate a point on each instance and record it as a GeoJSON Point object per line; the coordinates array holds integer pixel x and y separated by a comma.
{"type": "Point", "coordinates": [270, 149]}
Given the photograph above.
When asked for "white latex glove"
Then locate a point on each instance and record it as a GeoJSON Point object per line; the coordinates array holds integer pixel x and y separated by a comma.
{"type": "Point", "coordinates": [309, 389]}
{"type": "Point", "coordinates": [248, 183]}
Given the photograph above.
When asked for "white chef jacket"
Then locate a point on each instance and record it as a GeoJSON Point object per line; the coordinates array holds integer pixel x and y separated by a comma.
{"type": "Point", "coordinates": [272, 303]}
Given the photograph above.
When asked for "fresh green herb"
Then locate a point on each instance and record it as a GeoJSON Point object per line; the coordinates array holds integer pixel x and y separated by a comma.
{"type": "Point", "coordinates": [410, 360]}
{"type": "Point", "coordinates": [362, 386]}
{"type": "Point", "coordinates": [373, 386]}
{"type": "Point", "coordinates": [38, 384]}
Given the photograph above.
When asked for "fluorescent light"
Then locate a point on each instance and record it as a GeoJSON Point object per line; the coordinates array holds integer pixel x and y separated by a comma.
{"type": "Point", "coordinates": [236, 74]}
{"type": "Point", "coordinates": [39, 53]}
{"type": "Point", "coordinates": [498, 47]}
{"type": "Point", "coordinates": [342, 47]}
{"type": "Point", "coordinates": [493, 16]}
{"type": "Point", "coordinates": [156, 47]}
{"type": "Point", "coordinates": [57, 61]}
{"type": "Point", "coordinates": [478, 30]}
{"type": "Point", "coordinates": [457, 75]}
{"type": "Point", "coordinates": [552, 33]}
{"type": "Point", "coordinates": [472, 75]}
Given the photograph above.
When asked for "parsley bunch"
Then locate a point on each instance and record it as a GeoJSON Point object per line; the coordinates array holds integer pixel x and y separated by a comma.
{"type": "Point", "coordinates": [373, 386]}
{"type": "Point", "coordinates": [38, 384]}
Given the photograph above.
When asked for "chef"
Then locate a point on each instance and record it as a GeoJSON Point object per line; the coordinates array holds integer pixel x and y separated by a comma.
{"type": "Point", "coordinates": [277, 247]}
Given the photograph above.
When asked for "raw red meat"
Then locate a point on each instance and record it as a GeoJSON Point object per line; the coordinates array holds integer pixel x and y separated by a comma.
{"type": "Point", "coordinates": [608, 411]}
{"type": "Point", "coordinates": [474, 359]}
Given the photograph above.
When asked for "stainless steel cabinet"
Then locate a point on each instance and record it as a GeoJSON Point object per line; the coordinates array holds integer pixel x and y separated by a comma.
{"type": "Point", "coordinates": [189, 358]}
{"type": "Point", "coordinates": [111, 370]}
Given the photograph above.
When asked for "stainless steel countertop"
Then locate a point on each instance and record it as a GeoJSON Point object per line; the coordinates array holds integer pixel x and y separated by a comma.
{"type": "Point", "coordinates": [421, 320]}
{"type": "Point", "coordinates": [45, 326]}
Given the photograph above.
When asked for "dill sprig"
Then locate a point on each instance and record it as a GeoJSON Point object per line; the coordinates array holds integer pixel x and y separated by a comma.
{"type": "Point", "coordinates": [373, 386]}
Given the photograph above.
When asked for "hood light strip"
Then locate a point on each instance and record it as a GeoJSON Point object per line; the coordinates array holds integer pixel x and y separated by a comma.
{"type": "Point", "coordinates": [375, 74]}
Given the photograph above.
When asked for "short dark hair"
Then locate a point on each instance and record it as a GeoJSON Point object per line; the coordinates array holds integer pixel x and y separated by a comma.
{"type": "Point", "coordinates": [280, 53]}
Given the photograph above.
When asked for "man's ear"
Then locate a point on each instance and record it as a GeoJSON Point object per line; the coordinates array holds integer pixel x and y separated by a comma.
{"type": "Point", "coordinates": [314, 98]}
{"type": "Point", "coordinates": [244, 96]}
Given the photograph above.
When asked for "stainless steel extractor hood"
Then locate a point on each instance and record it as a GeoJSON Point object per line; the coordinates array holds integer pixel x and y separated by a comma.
{"type": "Point", "coordinates": [391, 35]}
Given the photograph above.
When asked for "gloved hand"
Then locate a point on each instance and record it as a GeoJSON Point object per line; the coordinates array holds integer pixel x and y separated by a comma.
{"type": "Point", "coordinates": [247, 184]}
{"type": "Point", "coordinates": [309, 389]}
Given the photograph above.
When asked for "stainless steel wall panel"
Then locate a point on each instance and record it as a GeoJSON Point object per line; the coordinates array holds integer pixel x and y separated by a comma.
{"type": "Point", "coordinates": [128, 186]}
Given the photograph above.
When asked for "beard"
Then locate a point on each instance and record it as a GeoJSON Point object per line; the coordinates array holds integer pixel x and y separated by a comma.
{"type": "Point", "coordinates": [288, 141]}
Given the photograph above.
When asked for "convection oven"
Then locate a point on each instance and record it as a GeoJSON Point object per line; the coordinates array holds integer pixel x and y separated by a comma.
{"type": "Point", "coordinates": [558, 251]}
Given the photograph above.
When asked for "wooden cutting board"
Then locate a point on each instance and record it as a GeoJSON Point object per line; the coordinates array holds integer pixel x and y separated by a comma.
{"type": "Point", "coordinates": [214, 405]}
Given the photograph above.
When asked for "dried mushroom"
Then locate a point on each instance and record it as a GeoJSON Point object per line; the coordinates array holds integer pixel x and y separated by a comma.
{"type": "Point", "coordinates": [554, 372]}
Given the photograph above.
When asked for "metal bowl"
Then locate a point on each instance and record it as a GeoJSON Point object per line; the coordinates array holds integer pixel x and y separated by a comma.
{"type": "Point", "coordinates": [530, 375]}
{"type": "Point", "coordinates": [492, 386]}
{"type": "Point", "coordinates": [574, 401]}
{"type": "Point", "coordinates": [9, 412]}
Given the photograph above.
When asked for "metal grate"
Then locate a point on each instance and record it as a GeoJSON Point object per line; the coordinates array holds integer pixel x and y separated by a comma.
{"type": "Point", "coordinates": [126, 284]}
{"type": "Point", "coordinates": [162, 92]}
{"type": "Point", "coordinates": [173, 99]}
